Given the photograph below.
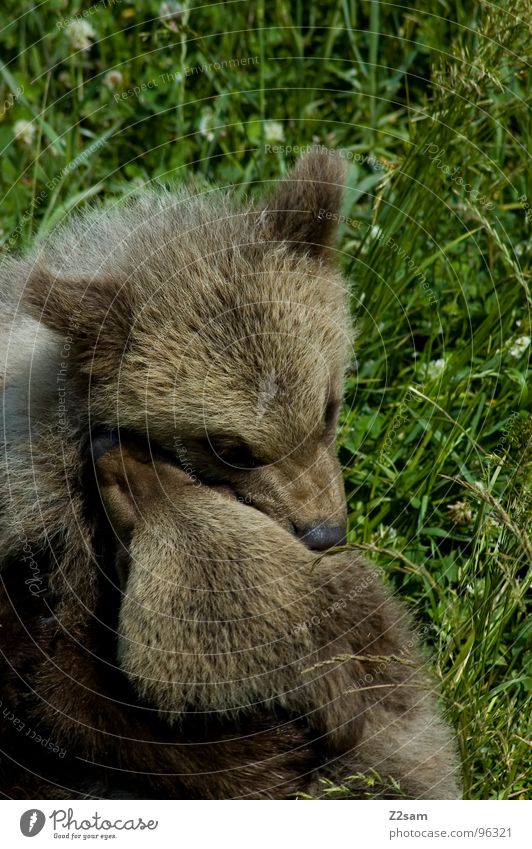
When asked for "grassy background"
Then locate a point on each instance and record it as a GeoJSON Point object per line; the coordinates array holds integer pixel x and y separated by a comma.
{"type": "Point", "coordinates": [432, 109]}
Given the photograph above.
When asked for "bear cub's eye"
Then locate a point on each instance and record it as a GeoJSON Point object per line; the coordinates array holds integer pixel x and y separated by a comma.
{"type": "Point", "coordinates": [236, 454]}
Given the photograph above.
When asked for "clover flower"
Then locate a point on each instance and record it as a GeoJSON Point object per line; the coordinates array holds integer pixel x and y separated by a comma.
{"type": "Point", "coordinates": [170, 13]}
{"type": "Point", "coordinates": [518, 347]}
{"type": "Point", "coordinates": [273, 131]}
{"type": "Point", "coordinates": [113, 79]}
{"type": "Point", "coordinates": [24, 131]}
{"type": "Point", "coordinates": [80, 34]}
{"type": "Point", "coordinates": [434, 369]}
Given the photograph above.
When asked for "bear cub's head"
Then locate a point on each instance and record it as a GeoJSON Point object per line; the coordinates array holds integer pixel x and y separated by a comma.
{"type": "Point", "coordinates": [218, 331]}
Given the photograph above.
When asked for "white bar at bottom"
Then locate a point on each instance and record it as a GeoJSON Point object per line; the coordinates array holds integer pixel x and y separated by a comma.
{"type": "Point", "coordinates": [267, 825]}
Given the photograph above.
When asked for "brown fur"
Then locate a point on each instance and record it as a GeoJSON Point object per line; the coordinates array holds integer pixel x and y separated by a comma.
{"type": "Point", "coordinates": [216, 616]}
{"type": "Point", "coordinates": [186, 318]}
{"type": "Point", "coordinates": [190, 320]}
{"type": "Point", "coordinates": [291, 665]}
{"type": "Point", "coordinates": [60, 682]}
{"type": "Point", "coordinates": [208, 328]}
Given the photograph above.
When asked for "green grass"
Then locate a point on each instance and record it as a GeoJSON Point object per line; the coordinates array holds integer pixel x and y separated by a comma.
{"type": "Point", "coordinates": [438, 413]}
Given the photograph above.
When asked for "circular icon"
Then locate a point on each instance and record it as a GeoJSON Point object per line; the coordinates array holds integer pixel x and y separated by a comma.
{"type": "Point", "coordinates": [32, 822]}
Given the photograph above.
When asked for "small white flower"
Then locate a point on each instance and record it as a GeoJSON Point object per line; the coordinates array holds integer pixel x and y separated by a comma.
{"type": "Point", "coordinates": [113, 79]}
{"type": "Point", "coordinates": [386, 534]}
{"type": "Point", "coordinates": [170, 13]}
{"type": "Point", "coordinates": [375, 232]}
{"type": "Point", "coordinates": [273, 131]}
{"type": "Point", "coordinates": [206, 124]}
{"type": "Point", "coordinates": [519, 346]}
{"type": "Point", "coordinates": [24, 131]}
{"type": "Point", "coordinates": [434, 369]}
{"type": "Point", "coordinates": [80, 34]}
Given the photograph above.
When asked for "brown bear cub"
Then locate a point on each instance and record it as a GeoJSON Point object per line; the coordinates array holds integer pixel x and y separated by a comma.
{"type": "Point", "coordinates": [221, 334]}
{"type": "Point", "coordinates": [255, 667]}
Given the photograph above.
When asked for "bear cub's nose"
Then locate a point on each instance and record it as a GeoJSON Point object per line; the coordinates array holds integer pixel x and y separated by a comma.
{"type": "Point", "coordinates": [321, 537]}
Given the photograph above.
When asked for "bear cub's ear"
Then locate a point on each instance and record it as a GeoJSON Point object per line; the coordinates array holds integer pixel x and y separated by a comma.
{"type": "Point", "coordinates": [304, 208]}
{"type": "Point", "coordinates": [133, 482]}
{"type": "Point", "coordinates": [122, 478]}
{"type": "Point", "coordinates": [93, 316]}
